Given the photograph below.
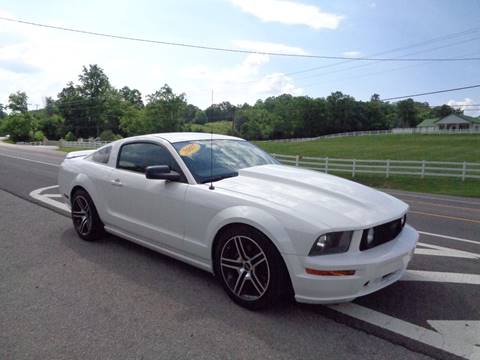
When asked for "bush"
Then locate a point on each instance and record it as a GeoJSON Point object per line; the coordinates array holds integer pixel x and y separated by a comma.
{"type": "Point", "coordinates": [107, 135]}
{"type": "Point", "coordinates": [38, 136]}
{"type": "Point", "coordinates": [18, 126]}
{"type": "Point", "coordinates": [69, 136]}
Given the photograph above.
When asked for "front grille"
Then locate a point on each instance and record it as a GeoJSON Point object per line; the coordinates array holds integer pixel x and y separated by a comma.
{"type": "Point", "coordinates": [383, 233]}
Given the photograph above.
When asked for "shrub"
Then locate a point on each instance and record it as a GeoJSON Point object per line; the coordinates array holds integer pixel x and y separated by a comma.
{"type": "Point", "coordinates": [38, 136]}
{"type": "Point", "coordinates": [69, 136]}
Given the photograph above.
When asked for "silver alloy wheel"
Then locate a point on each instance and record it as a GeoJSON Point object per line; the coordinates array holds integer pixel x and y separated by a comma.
{"type": "Point", "coordinates": [82, 215]}
{"type": "Point", "coordinates": [245, 268]}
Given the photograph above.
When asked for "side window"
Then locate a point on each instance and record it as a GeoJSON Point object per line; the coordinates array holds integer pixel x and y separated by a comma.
{"type": "Point", "coordinates": [138, 156]}
{"type": "Point", "coordinates": [102, 156]}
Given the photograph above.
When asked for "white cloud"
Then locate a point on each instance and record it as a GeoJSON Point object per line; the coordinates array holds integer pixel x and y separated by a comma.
{"type": "Point", "coordinates": [269, 47]}
{"type": "Point", "coordinates": [238, 84]}
{"type": "Point", "coordinates": [352, 54]}
{"type": "Point", "coordinates": [372, 5]}
{"type": "Point", "coordinates": [289, 12]}
{"type": "Point", "coordinates": [464, 105]}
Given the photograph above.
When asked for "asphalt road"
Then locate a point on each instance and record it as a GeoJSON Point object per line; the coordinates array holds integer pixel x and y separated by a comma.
{"type": "Point", "coordinates": [65, 298]}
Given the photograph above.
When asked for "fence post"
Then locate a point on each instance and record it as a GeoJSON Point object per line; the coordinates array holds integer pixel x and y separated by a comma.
{"type": "Point", "coordinates": [326, 165]}
{"type": "Point", "coordinates": [297, 159]}
{"type": "Point", "coordinates": [464, 170]}
{"type": "Point", "coordinates": [353, 167]}
{"type": "Point", "coordinates": [388, 169]}
{"type": "Point", "coordinates": [423, 169]}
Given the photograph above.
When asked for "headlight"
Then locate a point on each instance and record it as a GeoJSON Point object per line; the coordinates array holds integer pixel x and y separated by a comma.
{"type": "Point", "coordinates": [332, 243]}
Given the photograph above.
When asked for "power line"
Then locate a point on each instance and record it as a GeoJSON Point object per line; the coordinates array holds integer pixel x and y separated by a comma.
{"type": "Point", "coordinates": [231, 50]}
{"type": "Point", "coordinates": [432, 92]}
{"type": "Point", "coordinates": [419, 44]}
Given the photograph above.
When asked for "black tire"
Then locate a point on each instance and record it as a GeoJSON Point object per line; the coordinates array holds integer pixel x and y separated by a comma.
{"type": "Point", "coordinates": [85, 218]}
{"type": "Point", "coordinates": [250, 281]}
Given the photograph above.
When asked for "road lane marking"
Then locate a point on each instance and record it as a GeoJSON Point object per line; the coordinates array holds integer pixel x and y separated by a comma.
{"type": "Point", "coordinates": [446, 339]}
{"type": "Point", "coordinates": [34, 161]}
{"type": "Point", "coordinates": [445, 216]}
{"type": "Point", "coordinates": [443, 205]}
{"type": "Point", "coordinates": [46, 199]}
{"type": "Point", "coordinates": [444, 277]}
{"type": "Point", "coordinates": [449, 237]}
{"type": "Point", "coordinates": [435, 250]}
{"type": "Point", "coordinates": [433, 198]}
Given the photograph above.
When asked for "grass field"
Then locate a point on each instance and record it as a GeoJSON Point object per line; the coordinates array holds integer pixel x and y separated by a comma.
{"type": "Point", "coordinates": [217, 127]}
{"type": "Point", "coordinates": [394, 147]}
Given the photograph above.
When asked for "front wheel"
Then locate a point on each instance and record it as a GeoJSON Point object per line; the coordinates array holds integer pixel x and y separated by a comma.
{"type": "Point", "coordinates": [85, 218]}
{"type": "Point", "coordinates": [250, 268]}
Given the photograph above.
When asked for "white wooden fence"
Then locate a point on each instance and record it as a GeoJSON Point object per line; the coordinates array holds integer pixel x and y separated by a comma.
{"type": "Point", "coordinates": [83, 144]}
{"type": "Point", "coordinates": [387, 168]}
{"type": "Point", "coordinates": [395, 131]}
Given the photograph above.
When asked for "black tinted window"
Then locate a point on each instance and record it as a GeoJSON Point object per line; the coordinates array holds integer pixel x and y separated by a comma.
{"type": "Point", "coordinates": [102, 155]}
{"type": "Point", "coordinates": [138, 156]}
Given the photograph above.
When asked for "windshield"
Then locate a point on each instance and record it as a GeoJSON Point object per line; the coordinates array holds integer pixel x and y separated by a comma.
{"type": "Point", "coordinates": [229, 156]}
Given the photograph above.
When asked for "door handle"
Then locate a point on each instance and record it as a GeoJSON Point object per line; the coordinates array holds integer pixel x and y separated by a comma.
{"type": "Point", "coordinates": [116, 182]}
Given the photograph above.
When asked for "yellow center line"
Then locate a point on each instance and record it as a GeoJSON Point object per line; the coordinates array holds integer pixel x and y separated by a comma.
{"type": "Point", "coordinates": [441, 205]}
{"type": "Point", "coordinates": [445, 216]}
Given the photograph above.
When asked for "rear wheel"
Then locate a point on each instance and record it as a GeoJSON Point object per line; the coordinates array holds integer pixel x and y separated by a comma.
{"type": "Point", "coordinates": [250, 268]}
{"type": "Point", "coordinates": [85, 218]}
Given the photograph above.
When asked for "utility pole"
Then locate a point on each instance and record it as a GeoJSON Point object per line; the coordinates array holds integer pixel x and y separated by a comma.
{"type": "Point", "coordinates": [212, 96]}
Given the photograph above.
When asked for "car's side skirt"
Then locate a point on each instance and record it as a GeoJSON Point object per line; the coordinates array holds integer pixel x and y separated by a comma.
{"type": "Point", "coordinates": [155, 247]}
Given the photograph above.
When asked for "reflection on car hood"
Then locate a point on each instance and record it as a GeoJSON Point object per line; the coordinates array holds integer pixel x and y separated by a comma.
{"type": "Point", "coordinates": [315, 196]}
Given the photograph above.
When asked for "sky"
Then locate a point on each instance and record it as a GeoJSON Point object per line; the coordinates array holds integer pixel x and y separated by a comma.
{"type": "Point", "coordinates": [41, 61]}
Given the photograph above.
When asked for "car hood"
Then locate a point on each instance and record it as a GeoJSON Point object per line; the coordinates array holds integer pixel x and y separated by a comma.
{"type": "Point", "coordinates": [315, 197]}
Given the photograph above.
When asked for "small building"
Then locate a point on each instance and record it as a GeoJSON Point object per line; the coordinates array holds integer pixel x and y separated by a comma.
{"type": "Point", "coordinates": [451, 122]}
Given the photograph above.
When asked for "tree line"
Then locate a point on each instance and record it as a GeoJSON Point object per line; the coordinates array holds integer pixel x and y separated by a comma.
{"type": "Point", "coordinates": [93, 108]}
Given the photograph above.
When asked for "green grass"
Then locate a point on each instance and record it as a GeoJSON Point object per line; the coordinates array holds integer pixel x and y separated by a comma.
{"type": "Point", "coordinates": [70, 149]}
{"type": "Point", "coordinates": [217, 127]}
{"type": "Point", "coordinates": [433, 185]}
{"type": "Point", "coordinates": [394, 147]}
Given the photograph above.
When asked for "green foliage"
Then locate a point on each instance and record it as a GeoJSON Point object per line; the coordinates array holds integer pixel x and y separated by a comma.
{"type": "Point", "coordinates": [51, 126]}
{"type": "Point", "coordinates": [218, 112]}
{"type": "Point", "coordinates": [217, 127]}
{"type": "Point", "coordinates": [19, 126]}
{"type": "Point", "coordinates": [93, 107]}
{"type": "Point", "coordinates": [38, 136]}
{"type": "Point", "coordinates": [107, 135]}
{"type": "Point", "coordinates": [69, 136]}
{"type": "Point", "coordinates": [17, 102]}
{"type": "Point", "coordinates": [200, 117]}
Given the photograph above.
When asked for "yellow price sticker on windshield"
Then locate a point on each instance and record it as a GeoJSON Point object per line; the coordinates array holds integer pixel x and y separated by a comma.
{"type": "Point", "coordinates": [189, 150]}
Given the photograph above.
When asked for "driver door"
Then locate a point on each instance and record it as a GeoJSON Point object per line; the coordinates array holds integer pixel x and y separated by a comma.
{"type": "Point", "coordinates": [150, 209]}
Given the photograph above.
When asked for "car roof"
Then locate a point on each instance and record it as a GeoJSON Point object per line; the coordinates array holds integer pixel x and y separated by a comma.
{"type": "Point", "coordinates": [174, 137]}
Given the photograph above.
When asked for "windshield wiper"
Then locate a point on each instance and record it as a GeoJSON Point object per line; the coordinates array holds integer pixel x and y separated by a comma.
{"type": "Point", "coordinates": [220, 177]}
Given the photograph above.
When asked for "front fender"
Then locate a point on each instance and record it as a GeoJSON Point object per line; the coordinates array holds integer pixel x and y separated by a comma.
{"type": "Point", "coordinates": [255, 217]}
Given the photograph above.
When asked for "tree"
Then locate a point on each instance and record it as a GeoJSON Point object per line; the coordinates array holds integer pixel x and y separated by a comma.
{"type": "Point", "coordinates": [50, 106]}
{"type": "Point", "coordinates": [18, 102]}
{"type": "Point", "coordinates": [165, 110]}
{"type": "Point", "coordinates": [407, 113]}
{"type": "Point", "coordinates": [20, 126]}
{"type": "Point", "coordinates": [94, 88]}
{"type": "Point", "coordinates": [222, 111]}
{"type": "Point", "coordinates": [52, 126]}
{"type": "Point", "coordinates": [200, 117]}
{"type": "Point", "coordinates": [444, 110]}
{"type": "Point", "coordinates": [131, 96]}
{"type": "Point", "coordinates": [3, 114]}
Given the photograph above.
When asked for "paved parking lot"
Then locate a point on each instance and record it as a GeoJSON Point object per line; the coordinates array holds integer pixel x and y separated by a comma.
{"type": "Point", "coordinates": [64, 298]}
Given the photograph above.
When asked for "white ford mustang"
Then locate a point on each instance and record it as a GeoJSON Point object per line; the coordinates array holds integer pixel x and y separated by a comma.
{"type": "Point", "coordinates": [222, 204]}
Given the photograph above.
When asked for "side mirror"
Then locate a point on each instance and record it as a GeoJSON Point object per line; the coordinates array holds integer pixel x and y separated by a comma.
{"type": "Point", "coordinates": [161, 172]}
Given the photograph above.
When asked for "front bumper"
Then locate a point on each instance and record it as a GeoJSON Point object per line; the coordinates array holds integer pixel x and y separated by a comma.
{"type": "Point", "coordinates": [374, 269]}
